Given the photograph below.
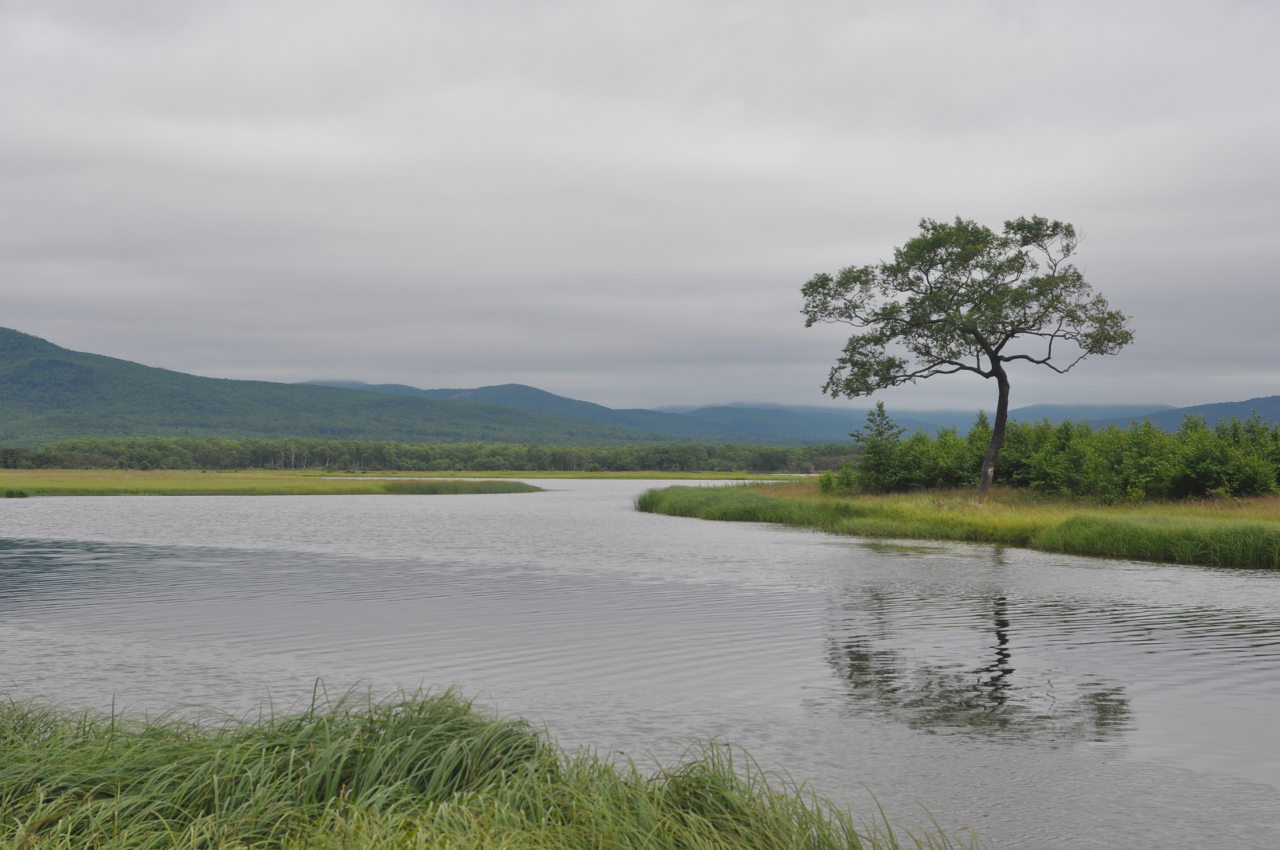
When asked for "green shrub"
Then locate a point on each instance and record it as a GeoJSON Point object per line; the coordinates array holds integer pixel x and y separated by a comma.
{"type": "Point", "coordinates": [1142, 462]}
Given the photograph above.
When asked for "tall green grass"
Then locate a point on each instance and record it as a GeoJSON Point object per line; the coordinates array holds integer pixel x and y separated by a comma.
{"type": "Point", "coordinates": [416, 771]}
{"type": "Point", "coordinates": [1178, 540]}
{"type": "Point", "coordinates": [734, 503]}
{"type": "Point", "coordinates": [1246, 537]}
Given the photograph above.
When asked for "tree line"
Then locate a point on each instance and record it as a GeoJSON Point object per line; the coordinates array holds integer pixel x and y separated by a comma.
{"type": "Point", "coordinates": [1138, 463]}
{"type": "Point", "coordinates": [362, 455]}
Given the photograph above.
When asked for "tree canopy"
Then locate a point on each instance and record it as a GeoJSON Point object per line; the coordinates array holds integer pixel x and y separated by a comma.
{"type": "Point", "coordinates": [960, 297]}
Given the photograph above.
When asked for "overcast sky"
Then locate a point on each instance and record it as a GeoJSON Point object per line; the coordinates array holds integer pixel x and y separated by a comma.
{"type": "Point", "coordinates": [619, 201]}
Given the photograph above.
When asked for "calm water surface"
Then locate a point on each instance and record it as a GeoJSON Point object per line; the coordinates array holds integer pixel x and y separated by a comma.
{"type": "Point", "coordinates": [1046, 701]}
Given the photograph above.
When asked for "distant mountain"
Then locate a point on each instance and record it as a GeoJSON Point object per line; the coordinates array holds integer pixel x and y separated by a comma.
{"type": "Point", "coordinates": [50, 393]}
{"type": "Point", "coordinates": [754, 422]}
{"type": "Point", "coordinates": [798, 424]}
{"type": "Point", "coordinates": [1094, 413]}
{"type": "Point", "coordinates": [1268, 407]}
{"type": "Point", "coordinates": [531, 398]}
{"type": "Point", "coordinates": [829, 424]}
{"type": "Point", "coordinates": [823, 424]}
{"type": "Point", "coordinates": [758, 423]}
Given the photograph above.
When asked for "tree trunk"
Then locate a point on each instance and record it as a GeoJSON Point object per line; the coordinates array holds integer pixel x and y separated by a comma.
{"type": "Point", "coordinates": [997, 434]}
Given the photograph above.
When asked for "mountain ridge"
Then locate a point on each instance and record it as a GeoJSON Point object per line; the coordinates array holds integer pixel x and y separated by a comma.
{"type": "Point", "coordinates": [51, 393]}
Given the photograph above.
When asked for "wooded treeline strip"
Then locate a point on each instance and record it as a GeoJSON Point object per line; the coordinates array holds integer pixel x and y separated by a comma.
{"type": "Point", "coordinates": [218, 453]}
{"type": "Point", "coordinates": [1138, 463]}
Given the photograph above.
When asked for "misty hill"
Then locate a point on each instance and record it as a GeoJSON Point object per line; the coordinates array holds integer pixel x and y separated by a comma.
{"type": "Point", "coordinates": [1268, 407]}
{"type": "Point", "coordinates": [826, 424]}
{"type": "Point", "coordinates": [809, 423]}
{"type": "Point", "coordinates": [1093, 413]}
{"type": "Point", "coordinates": [51, 393]}
{"type": "Point", "coordinates": [801, 424]}
{"type": "Point", "coordinates": [531, 398]}
{"type": "Point", "coordinates": [767, 423]}
{"type": "Point", "coordinates": [742, 422]}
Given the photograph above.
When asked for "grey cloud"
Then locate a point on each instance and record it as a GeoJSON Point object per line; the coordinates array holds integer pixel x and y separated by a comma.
{"type": "Point", "coordinates": [620, 199]}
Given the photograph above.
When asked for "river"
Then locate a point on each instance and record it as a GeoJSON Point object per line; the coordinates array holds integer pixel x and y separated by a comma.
{"type": "Point", "coordinates": [1045, 701]}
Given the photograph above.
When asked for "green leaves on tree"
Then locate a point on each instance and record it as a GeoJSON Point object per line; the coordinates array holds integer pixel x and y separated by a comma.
{"type": "Point", "coordinates": [960, 297]}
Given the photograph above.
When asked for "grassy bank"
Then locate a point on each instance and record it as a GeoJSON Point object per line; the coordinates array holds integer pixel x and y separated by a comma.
{"type": "Point", "coordinates": [634, 475]}
{"type": "Point", "coordinates": [415, 772]}
{"type": "Point", "coordinates": [1228, 533]}
{"type": "Point", "coordinates": [259, 482]}
{"type": "Point", "coordinates": [126, 482]}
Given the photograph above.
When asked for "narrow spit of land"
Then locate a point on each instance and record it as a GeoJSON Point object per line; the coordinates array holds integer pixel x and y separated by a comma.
{"type": "Point", "coordinates": [131, 482]}
{"type": "Point", "coordinates": [415, 771]}
{"type": "Point", "coordinates": [260, 482]}
{"type": "Point", "coordinates": [1220, 533]}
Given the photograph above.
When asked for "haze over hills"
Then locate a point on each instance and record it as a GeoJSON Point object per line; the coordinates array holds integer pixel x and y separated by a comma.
{"type": "Point", "coordinates": [743, 423]}
{"type": "Point", "coordinates": [930, 420]}
{"type": "Point", "coordinates": [533, 399]}
{"type": "Point", "coordinates": [1267, 407]}
{"type": "Point", "coordinates": [755, 421]}
{"type": "Point", "coordinates": [49, 393]}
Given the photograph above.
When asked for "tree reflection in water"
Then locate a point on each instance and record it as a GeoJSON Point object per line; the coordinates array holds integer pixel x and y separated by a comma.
{"type": "Point", "coordinates": [984, 698]}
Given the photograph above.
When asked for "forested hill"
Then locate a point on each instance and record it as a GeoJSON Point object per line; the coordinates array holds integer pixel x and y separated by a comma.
{"type": "Point", "coordinates": [50, 393]}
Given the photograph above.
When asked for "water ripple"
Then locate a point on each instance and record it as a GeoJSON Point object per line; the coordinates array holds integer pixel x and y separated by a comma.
{"type": "Point", "coordinates": [1041, 695]}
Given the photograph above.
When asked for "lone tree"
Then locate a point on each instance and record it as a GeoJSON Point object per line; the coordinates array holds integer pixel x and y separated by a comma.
{"type": "Point", "coordinates": [961, 298]}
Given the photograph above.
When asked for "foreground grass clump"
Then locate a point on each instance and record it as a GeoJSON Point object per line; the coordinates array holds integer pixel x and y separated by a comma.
{"type": "Point", "coordinates": [1225, 533]}
{"type": "Point", "coordinates": [126, 482]}
{"type": "Point", "coordinates": [418, 771]}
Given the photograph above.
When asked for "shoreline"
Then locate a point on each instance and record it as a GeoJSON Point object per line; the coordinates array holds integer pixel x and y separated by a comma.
{"type": "Point", "coordinates": [267, 482]}
{"type": "Point", "coordinates": [1243, 533]}
{"type": "Point", "coordinates": [126, 482]}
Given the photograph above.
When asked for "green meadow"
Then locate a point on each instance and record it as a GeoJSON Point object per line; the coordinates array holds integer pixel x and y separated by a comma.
{"type": "Point", "coordinates": [416, 771]}
{"type": "Point", "coordinates": [1220, 532]}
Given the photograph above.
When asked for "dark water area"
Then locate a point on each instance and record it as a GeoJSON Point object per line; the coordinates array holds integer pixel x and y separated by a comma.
{"type": "Point", "coordinates": [1043, 700]}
